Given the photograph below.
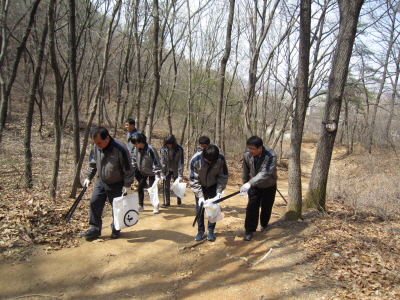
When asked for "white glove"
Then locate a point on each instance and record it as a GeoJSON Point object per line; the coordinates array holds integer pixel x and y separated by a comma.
{"type": "Point", "coordinates": [86, 182]}
{"type": "Point", "coordinates": [126, 189]}
{"type": "Point", "coordinates": [201, 200]}
{"type": "Point", "coordinates": [245, 187]}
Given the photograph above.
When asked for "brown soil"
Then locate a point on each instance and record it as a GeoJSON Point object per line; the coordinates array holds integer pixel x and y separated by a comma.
{"type": "Point", "coordinates": [340, 255]}
{"type": "Point", "coordinates": [157, 259]}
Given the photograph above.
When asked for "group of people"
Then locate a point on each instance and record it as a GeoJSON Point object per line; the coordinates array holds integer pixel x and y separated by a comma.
{"type": "Point", "coordinates": [117, 164]}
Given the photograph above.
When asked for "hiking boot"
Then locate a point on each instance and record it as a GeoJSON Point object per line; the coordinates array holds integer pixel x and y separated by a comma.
{"type": "Point", "coordinates": [156, 210]}
{"type": "Point", "coordinates": [199, 236]}
{"type": "Point", "coordinates": [116, 234]}
{"type": "Point", "coordinates": [91, 233]}
{"type": "Point", "coordinates": [210, 235]}
{"type": "Point", "coordinates": [248, 236]}
{"type": "Point", "coordinates": [141, 208]}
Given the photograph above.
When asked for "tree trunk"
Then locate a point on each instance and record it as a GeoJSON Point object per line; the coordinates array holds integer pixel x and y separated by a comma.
{"type": "Point", "coordinates": [349, 13]}
{"type": "Point", "coordinates": [57, 99]}
{"type": "Point", "coordinates": [222, 71]}
{"type": "Point", "coordinates": [74, 89]}
{"type": "Point", "coordinates": [156, 70]}
{"type": "Point", "coordinates": [296, 134]}
{"type": "Point", "coordinates": [6, 87]}
{"type": "Point", "coordinates": [30, 109]}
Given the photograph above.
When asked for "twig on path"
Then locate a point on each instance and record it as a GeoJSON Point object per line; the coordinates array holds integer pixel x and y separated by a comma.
{"type": "Point", "coordinates": [34, 295]}
{"type": "Point", "coordinates": [193, 245]}
{"type": "Point", "coordinates": [265, 256]}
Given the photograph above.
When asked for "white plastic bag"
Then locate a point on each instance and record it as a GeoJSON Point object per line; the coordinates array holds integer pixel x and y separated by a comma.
{"type": "Point", "coordinates": [213, 211]}
{"type": "Point", "coordinates": [125, 211]}
{"type": "Point", "coordinates": [179, 188]}
{"type": "Point", "coordinates": [153, 193]}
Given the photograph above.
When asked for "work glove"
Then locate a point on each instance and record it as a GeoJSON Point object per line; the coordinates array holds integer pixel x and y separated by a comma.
{"type": "Point", "coordinates": [126, 189]}
{"type": "Point", "coordinates": [201, 200]}
{"type": "Point", "coordinates": [245, 187]}
{"type": "Point", "coordinates": [86, 182]}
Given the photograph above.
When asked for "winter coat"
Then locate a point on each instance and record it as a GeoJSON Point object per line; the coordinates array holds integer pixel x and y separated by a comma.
{"type": "Point", "coordinates": [205, 174]}
{"type": "Point", "coordinates": [112, 163]}
{"type": "Point", "coordinates": [176, 165]}
{"type": "Point", "coordinates": [263, 174]}
{"type": "Point", "coordinates": [146, 161]}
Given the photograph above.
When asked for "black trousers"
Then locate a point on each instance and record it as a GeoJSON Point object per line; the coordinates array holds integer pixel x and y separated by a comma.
{"type": "Point", "coordinates": [167, 186]}
{"type": "Point", "coordinates": [101, 192]}
{"type": "Point", "coordinates": [259, 197]}
{"type": "Point", "coordinates": [142, 183]}
{"type": "Point", "coordinates": [208, 192]}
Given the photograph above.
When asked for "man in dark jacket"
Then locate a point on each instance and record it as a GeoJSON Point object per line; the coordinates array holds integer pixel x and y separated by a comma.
{"type": "Point", "coordinates": [259, 178]}
{"type": "Point", "coordinates": [208, 178]}
{"type": "Point", "coordinates": [172, 159]}
{"type": "Point", "coordinates": [132, 130]}
{"type": "Point", "coordinates": [146, 163]}
{"type": "Point", "coordinates": [110, 159]}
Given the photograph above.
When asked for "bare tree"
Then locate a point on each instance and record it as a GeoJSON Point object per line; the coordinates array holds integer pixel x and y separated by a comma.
{"type": "Point", "coordinates": [349, 14]}
{"type": "Point", "coordinates": [30, 108]}
{"type": "Point", "coordinates": [222, 72]}
{"type": "Point", "coordinates": [7, 86]}
{"type": "Point", "coordinates": [302, 99]}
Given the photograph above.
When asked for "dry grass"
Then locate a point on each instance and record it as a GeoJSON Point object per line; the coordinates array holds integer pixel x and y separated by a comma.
{"type": "Point", "coordinates": [367, 182]}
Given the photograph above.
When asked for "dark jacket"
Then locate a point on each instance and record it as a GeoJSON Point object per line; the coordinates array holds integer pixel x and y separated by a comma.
{"type": "Point", "coordinates": [146, 161]}
{"type": "Point", "coordinates": [176, 164]}
{"type": "Point", "coordinates": [113, 163]}
{"type": "Point", "coordinates": [263, 174]}
{"type": "Point", "coordinates": [205, 174]}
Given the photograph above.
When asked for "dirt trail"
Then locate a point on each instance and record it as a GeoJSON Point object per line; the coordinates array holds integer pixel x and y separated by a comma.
{"type": "Point", "coordinates": [148, 262]}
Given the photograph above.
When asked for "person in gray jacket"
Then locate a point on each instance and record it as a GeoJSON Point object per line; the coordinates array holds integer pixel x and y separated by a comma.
{"type": "Point", "coordinates": [172, 159]}
{"type": "Point", "coordinates": [259, 178]}
{"type": "Point", "coordinates": [110, 159]}
{"type": "Point", "coordinates": [208, 178]}
{"type": "Point", "coordinates": [146, 163]}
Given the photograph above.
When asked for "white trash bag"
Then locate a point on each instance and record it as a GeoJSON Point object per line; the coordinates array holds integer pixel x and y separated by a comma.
{"type": "Point", "coordinates": [178, 188]}
{"type": "Point", "coordinates": [213, 210]}
{"type": "Point", "coordinates": [153, 193]}
{"type": "Point", "coordinates": [125, 210]}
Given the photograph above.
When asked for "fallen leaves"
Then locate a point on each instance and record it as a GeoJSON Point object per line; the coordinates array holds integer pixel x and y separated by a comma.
{"type": "Point", "coordinates": [356, 254]}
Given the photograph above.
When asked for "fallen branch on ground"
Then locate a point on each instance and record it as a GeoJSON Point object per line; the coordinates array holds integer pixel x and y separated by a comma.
{"type": "Point", "coordinates": [192, 245]}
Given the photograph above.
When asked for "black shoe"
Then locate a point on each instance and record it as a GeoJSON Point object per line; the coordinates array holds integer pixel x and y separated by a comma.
{"type": "Point", "coordinates": [92, 233]}
{"type": "Point", "coordinates": [263, 229]}
{"type": "Point", "coordinates": [199, 236]}
{"type": "Point", "coordinates": [179, 202]}
{"type": "Point", "coordinates": [248, 236]}
{"type": "Point", "coordinates": [211, 236]}
{"type": "Point", "coordinates": [165, 205]}
{"type": "Point", "coordinates": [116, 234]}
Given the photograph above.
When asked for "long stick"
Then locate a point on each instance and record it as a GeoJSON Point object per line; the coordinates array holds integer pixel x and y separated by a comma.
{"type": "Point", "coordinates": [73, 207]}
{"type": "Point", "coordinates": [200, 211]}
{"type": "Point", "coordinates": [281, 196]}
{"type": "Point", "coordinates": [226, 197]}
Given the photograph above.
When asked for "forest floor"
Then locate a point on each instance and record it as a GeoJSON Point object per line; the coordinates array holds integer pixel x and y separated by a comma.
{"type": "Point", "coordinates": [334, 255]}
